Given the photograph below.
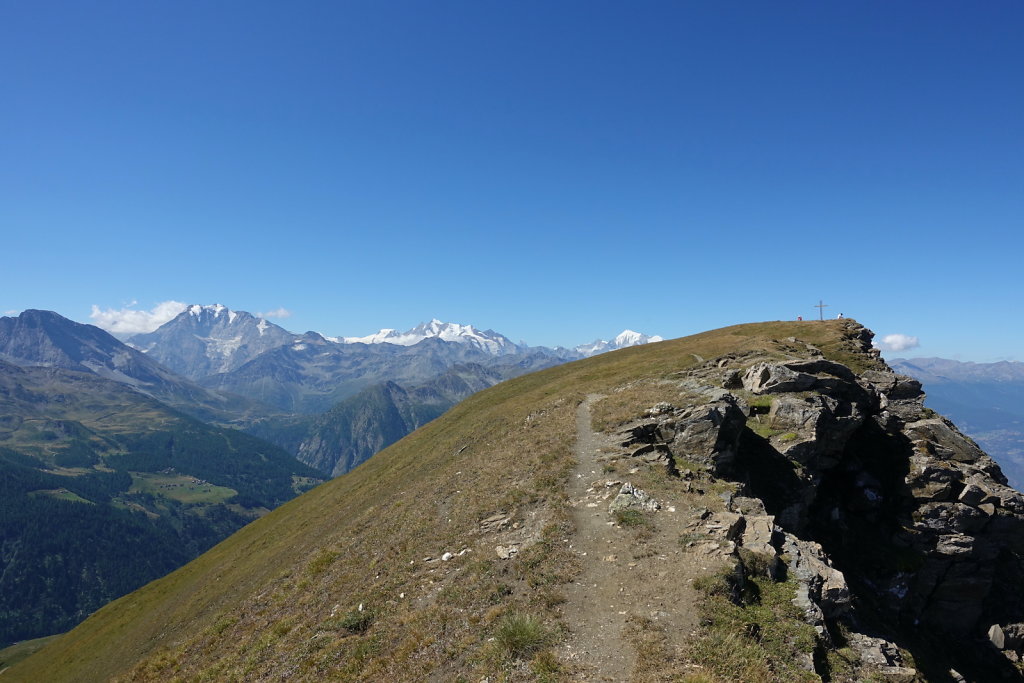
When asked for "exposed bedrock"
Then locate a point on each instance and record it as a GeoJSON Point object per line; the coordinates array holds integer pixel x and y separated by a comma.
{"type": "Point", "coordinates": [874, 501]}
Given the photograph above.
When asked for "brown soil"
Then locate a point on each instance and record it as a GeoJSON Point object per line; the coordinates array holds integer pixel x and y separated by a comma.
{"type": "Point", "coordinates": [635, 590]}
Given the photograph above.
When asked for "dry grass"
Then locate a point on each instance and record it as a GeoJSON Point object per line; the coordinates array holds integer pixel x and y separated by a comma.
{"type": "Point", "coordinates": [260, 605]}
{"type": "Point", "coordinates": [620, 406]}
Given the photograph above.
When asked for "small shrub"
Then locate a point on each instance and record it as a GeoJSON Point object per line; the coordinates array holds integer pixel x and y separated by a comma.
{"type": "Point", "coordinates": [353, 621]}
{"type": "Point", "coordinates": [322, 561]}
{"type": "Point", "coordinates": [545, 664]}
{"type": "Point", "coordinates": [520, 635]}
{"type": "Point", "coordinates": [631, 518]}
{"type": "Point", "coordinates": [693, 537]}
{"type": "Point", "coordinates": [757, 564]}
{"type": "Point", "coordinates": [223, 625]}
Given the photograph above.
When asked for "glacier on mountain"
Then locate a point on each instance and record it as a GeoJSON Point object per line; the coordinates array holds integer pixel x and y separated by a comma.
{"type": "Point", "coordinates": [624, 339]}
{"type": "Point", "coordinates": [486, 340]}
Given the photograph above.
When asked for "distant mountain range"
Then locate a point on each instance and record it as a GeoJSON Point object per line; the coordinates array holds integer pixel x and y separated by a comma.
{"type": "Point", "coordinates": [405, 376]}
{"type": "Point", "coordinates": [102, 440]}
{"type": "Point", "coordinates": [986, 400]}
{"type": "Point", "coordinates": [203, 341]}
{"type": "Point", "coordinates": [487, 340]}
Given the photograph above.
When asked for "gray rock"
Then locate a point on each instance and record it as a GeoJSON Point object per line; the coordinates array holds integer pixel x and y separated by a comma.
{"type": "Point", "coordinates": [632, 498]}
{"type": "Point", "coordinates": [822, 366]}
{"type": "Point", "coordinates": [996, 637]}
{"type": "Point", "coordinates": [905, 388]}
{"type": "Point", "coordinates": [727, 524]}
{"type": "Point", "coordinates": [874, 652]}
{"type": "Point", "coordinates": [1013, 636]}
{"type": "Point", "coordinates": [661, 408]}
{"type": "Point", "coordinates": [747, 506]}
{"type": "Point", "coordinates": [709, 434]}
{"type": "Point", "coordinates": [771, 378]}
{"type": "Point", "coordinates": [932, 481]}
{"type": "Point", "coordinates": [944, 441]}
{"type": "Point", "coordinates": [506, 552]}
{"type": "Point", "coordinates": [822, 592]}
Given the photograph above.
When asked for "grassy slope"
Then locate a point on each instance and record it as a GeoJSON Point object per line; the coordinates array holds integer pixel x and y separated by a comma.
{"type": "Point", "coordinates": [273, 599]}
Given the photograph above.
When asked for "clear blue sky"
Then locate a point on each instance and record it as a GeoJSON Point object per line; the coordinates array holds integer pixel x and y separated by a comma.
{"type": "Point", "coordinates": [556, 171]}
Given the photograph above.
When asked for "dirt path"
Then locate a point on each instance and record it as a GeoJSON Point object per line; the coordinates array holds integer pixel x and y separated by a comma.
{"type": "Point", "coordinates": [597, 604]}
{"type": "Point", "coordinates": [632, 583]}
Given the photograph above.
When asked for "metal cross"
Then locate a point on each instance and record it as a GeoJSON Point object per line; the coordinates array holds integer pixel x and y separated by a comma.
{"type": "Point", "coordinates": [821, 309]}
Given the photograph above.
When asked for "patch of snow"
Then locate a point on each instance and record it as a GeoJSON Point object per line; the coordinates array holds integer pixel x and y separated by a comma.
{"type": "Point", "coordinates": [624, 339]}
{"type": "Point", "coordinates": [231, 316]}
{"type": "Point", "coordinates": [261, 325]}
{"type": "Point", "coordinates": [299, 346]}
{"type": "Point", "coordinates": [220, 349]}
{"type": "Point", "coordinates": [488, 340]}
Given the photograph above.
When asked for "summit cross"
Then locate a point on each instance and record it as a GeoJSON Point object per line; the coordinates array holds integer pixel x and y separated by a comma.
{"type": "Point", "coordinates": [821, 309]}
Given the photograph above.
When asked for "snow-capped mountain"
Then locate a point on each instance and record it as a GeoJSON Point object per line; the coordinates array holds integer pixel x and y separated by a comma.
{"type": "Point", "coordinates": [485, 340]}
{"type": "Point", "coordinates": [206, 340]}
{"type": "Point", "coordinates": [624, 339]}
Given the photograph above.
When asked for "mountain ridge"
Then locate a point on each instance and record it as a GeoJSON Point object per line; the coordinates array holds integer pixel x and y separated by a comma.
{"type": "Point", "coordinates": [758, 446]}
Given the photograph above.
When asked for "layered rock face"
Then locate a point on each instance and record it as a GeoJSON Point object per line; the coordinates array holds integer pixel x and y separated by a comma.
{"type": "Point", "coordinates": [882, 510]}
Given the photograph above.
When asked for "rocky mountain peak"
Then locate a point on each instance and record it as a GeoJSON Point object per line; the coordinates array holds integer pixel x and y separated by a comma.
{"type": "Point", "coordinates": [624, 339]}
{"type": "Point", "coordinates": [207, 340]}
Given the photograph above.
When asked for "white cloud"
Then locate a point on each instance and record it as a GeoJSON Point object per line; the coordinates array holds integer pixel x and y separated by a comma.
{"type": "Point", "coordinates": [898, 342]}
{"type": "Point", "coordinates": [12, 312]}
{"type": "Point", "coordinates": [276, 313]}
{"type": "Point", "coordinates": [128, 321]}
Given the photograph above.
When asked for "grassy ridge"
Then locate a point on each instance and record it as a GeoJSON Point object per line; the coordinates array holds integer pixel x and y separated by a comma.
{"type": "Point", "coordinates": [280, 596]}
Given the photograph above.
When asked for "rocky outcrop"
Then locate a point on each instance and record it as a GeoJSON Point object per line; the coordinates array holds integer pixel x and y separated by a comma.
{"type": "Point", "coordinates": [877, 504]}
{"type": "Point", "coordinates": [632, 498]}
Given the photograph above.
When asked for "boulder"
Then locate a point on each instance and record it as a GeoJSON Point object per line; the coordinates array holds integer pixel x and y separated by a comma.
{"type": "Point", "coordinates": [632, 498]}
{"type": "Point", "coordinates": [944, 441]}
{"type": "Point", "coordinates": [772, 378]}
{"type": "Point", "coordinates": [727, 524]}
{"type": "Point", "coordinates": [874, 652]}
{"type": "Point", "coordinates": [905, 388]}
{"type": "Point", "coordinates": [996, 637]}
{"type": "Point", "coordinates": [709, 434]}
{"type": "Point", "coordinates": [930, 480]}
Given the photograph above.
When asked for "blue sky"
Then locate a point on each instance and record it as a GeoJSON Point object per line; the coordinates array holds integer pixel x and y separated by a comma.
{"type": "Point", "coordinates": [555, 171]}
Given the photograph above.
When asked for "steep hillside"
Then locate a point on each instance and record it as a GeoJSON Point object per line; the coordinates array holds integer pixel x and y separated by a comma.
{"type": "Point", "coordinates": [760, 503]}
{"type": "Point", "coordinates": [356, 428]}
{"type": "Point", "coordinates": [46, 339]}
{"type": "Point", "coordinates": [104, 489]}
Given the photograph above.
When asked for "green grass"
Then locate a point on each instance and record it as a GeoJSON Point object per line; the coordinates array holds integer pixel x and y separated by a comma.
{"type": "Point", "coordinates": [62, 494]}
{"type": "Point", "coordinates": [520, 635]}
{"type": "Point", "coordinates": [13, 654]}
{"type": "Point", "coordinates": [750, 629]}
{"type": "Point", "coordinates": [632, 518]}
{"type": "Point", "coordinates": [215, 618]}
{"type": "Point", "coordinates": [180, 487]}
{"type": "Point", "coordinates": [763, 429]}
